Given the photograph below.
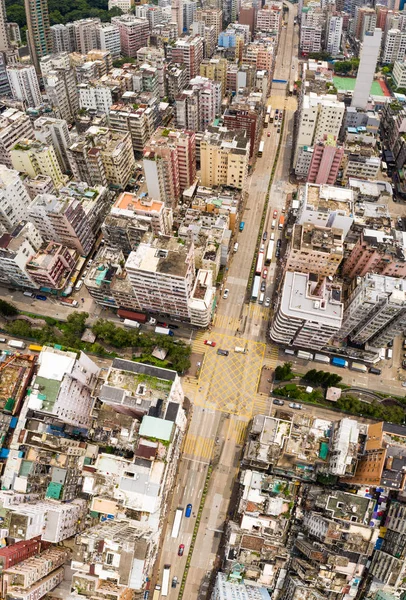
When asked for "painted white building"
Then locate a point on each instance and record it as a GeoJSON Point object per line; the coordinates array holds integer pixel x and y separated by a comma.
{"type": "Point", "coordinates": [14, 255]}
{"type": "Point", "coordinates": [109, 39]}
{"type": "Point", "coordinates": [326, 206]}
{"type": "Point", "coordinates": [309, 312]}
{"type": "Point", "coordinates": [24, 84]}
{"type": "Point", "coordinates": [399, 73]}
{"type": "Point", "coordinates": [334, 31]}
{"type": "Point", "coordinates": [95, 97]}
{"type": "Point", "coordinates": [343, 451]}
{"type": "Point", "coordinates": [319, 116]}
{"type": "Point", "coordinates": [395, 46]}
{"type": "Point", "coordinates": [368, 59]}
{"type": "Point", "coordinates": [227, 589]}
{"type": "Point", "coordinates": [73, 379]}
{"type": "Point", "coordinates": [14, 199]}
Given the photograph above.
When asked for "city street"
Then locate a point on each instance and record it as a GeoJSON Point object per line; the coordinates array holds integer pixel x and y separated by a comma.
{"type": "Point", "coordinates": [224, 397]}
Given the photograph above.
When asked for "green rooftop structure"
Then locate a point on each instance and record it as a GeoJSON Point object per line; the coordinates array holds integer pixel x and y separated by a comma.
{"type": "Point", "coordinates": [54, 490]}
{"type": "Point", "coordinates": [156, 428]}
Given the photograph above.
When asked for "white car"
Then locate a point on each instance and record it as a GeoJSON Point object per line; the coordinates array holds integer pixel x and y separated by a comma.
{"type": "Point", "coordinates": [267, 302]}
{"type": "Point", "coordinates": [295, 405]}
{"type": "Point", "coordinates": [225, 295]}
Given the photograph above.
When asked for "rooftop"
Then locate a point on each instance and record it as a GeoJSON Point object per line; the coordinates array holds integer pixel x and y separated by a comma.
{"type": "Point", "coordinates": [165, 255]}
{"type": "Point", "coordinates": [130, 203]}
{"type": "Point", "coordinates": [299, 300]}
{"type": "Point", "coordinates": [328, 198]}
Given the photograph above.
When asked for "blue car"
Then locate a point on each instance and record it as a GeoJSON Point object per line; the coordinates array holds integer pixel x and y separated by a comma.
{"type": "Point", "coordinates": [39, 297]}
{"type": "Point", "coordinates": [188, 510]}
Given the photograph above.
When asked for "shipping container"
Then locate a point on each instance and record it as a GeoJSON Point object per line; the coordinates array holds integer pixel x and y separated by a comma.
{"type": "Point", "coordinates": [132, 315]}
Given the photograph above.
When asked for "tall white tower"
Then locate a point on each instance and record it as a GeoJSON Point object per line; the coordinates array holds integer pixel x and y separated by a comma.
{"type": "Point", "coordinates": [369, 57]}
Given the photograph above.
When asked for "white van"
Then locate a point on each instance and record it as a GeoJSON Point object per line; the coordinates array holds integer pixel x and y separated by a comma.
{"type": "Point", "coordinates": [272, 237]}
{"type": "Point", "coordinates": [261, 298]}
{"type": "Point", "coordinates": [287, 351]}
{"type": "Point", "coordinates": [239, 349]}
{"type": "Point", "coordinates": [236, 247]}
{"type": "Point", "coordinates": [28, 294]}
{"type": "Point", "coordinates": [273, 224]}
{"type": "Point", "coordinates": [389, 353]}
{"type": "Point", "coordinates": [79, 285]}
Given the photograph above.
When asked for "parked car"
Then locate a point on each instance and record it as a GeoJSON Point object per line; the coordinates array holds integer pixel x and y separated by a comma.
{"type": "Point", "coordinates": [269, 134]}
{"type": "Point", "coordinates": [226, 292]}
{"type": "Point", "coordinates": [263, 286]}
{"type": "Point", "coordinates": [181, 549]}
{"type": "Point", "coordinates": [209, 343]}
{"type": "Point", "coordinates": [264, 235]}
{"type": "Point", "coordinates": [404, 364]}
{"type": "Point", "coordinates": [275, 214]}
{"type": "Point", "coordinates": [295, 405]}
{"type": "Point", "coordinates": [375, 371]}
{"type": "Point", "coordinates": [390, 344]}
{"type": "Point", "coordinates": [278, 130]}
{"type": "Point", "coordinates": [278, 243]}
{"type": "Point", "coordinates": [188, 510]}
{"type": "Point", "coordinates": [174, 582]}
{"type": "Point", "coordinates": [278, 402]}
{"type": "Point", "coordinates": [40, 297]}
{"type": "Point", "coordinates": [265, 273]}
{"type": "Point", "coordinates": [223, 352]}
{"type": "Point", "coordinates": [267, 302]}
{"type": "Point", "coordinates": [277, 252]}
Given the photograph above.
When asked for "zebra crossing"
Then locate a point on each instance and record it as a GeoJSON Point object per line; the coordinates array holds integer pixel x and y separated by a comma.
{"type": "Point", "coordinates": [198, 447]}
{"type": "Point", "coordinates": [261, 405]}
{"type": "Point", "coordinates": [271, 357]}
{"type": "Point", "coordinates": [227, 323]}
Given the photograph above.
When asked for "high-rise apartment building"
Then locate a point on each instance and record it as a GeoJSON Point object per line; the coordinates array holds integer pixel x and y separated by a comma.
{"type": "Point", "coordinates": [60, 86]}
{"type": "Point", "coordinates": [62, 40]}
{"type": "Point", "coordinates": [246, 117]}
{"type": "Point", "coordinates": [134, 33]}
{"type": "Point", "coordinates": [395, 46]}
{"type": "Point", "coordinates": [325, 162]}
{"type": "Point", "coordinates": [216, 70]}
{"type": "Point", "coordinates": [62, 220]}
{"type": "Point", "coordinates": [140, 122]}
{"type": "Point", "coordinates": [39, 32]}
{"type": "Point", "coordinates": [364, 22]}
{"type": "Point", "coordinates": [189, 11]}
{"type": "Point", "coordinates": [14, 199]}
{"type": "Point", "coordinates": [309, 312]}
{"type": "Point", "coordinates": [366, 70]}
{"type": "Point", "coordinates": [334, 29]}
{"type": "Point", "coordinates": [269, 19]}
{"type": "Point", "coordinates": [226, 589]}
{"type": "Point", "coordinates": [188, 51]}
{"type": "Point", "coordinates": [54, 131]}
{"type": "Point", "coordinates": [318, 116]}
{"type": "Point", "coordinates": [376, 252]}
{"type": "Point", "coordinates": [320, 249]}
{"type": "Point", "coordinates": [170, 164]}
{"type": "Point", "coordinates": [211, 16]}
{"type": "Point", "coordinates": [15, 251]}
{"type": "Point", "coordinates": [224, 157]}
{"type": "Point", "coordinates": [24, 85]}
{"type": "Point", "coordinates": [108, 38]}
{"type": "Point", "coordinates": [95, 97]}
{"type": "Point", "coordinates": [4, 31]}
{"type": "Point", "coordinates": [162, 276]}
{"type": "Point", "coordinates": [14, 125]}
{"type": "Point", "coordinates": [198, 104]}
{"type": "Point", "coordinates": [36, 158]}
{"type": "Point", "coordinates": [103, 156]}
{"type": "Point", "coordinates": [375, 310]}
{"type": "Point", "coordinates": [85, 34]}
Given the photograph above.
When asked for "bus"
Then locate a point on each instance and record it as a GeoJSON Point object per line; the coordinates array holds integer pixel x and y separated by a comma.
{"type": "Point", "coordinates": [176, 522]}
{"type": "Point", "coordinates": [255, 288]}
{"type": "Point", "coordinates": [266, 121]}
{"type": "Point", "coordinates": [261, 148]}
{"type": "Point", "coordinates": [34, 348]}
{"type": "Point", "coordinates": [272, 116]}
{"type": "Point", "coordinates": [269, 253]}
{"type": "Point", "coordinates": [260, 263]}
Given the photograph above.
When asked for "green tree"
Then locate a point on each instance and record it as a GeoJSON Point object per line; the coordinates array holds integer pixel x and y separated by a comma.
{"type": "Point", "coordinates": [284, 372]}
{"type": "Point", "coordinates": [21, 328]}
{"type": "Point", "coordinates": [7, 309]}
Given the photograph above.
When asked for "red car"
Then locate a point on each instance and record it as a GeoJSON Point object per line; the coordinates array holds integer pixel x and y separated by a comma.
{"type": "Point", "coordinates": [209, 343]}
{"type": "Point", "coordinates": [181, 549]}
{"type": "Point", "coordinates": [275, 214]}
{"type": "Point", "coordinates": [269, 134]}
{"type": "Point", "coordinates": [264, 273]}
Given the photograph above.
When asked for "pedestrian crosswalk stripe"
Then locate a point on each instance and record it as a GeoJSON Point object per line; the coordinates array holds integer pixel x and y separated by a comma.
{"type": "Point", "coordinates": [261, 405]}
{"type": "Point", "coordinates": [198, 446]}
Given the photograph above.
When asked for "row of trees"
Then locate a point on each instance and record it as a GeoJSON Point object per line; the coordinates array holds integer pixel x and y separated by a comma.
{"type": "Point", "coordinates": [346, 67]}
{"type": "Point", "coordinates": [375, 410]}
{"type": "Point", "coordinates": [322, 378]}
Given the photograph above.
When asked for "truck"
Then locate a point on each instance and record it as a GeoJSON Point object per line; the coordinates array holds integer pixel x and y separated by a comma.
{"type": "Point", "coordinates": [356, 366]}
{"type": "Point", "coordinates": [34, 348]}
{"type": "Point", "coordinates": [165, 580]}
{"type": "Point", "coordinates": [261, 147]}
{"type": "Point", "coordinates": [322, 358]}
{"type": "Point", "coordinates": [281, 222]}
{"type": "Point", "coordinates": [339, 362]}
{"type": "Point", "coordinates": [69, 302]}
{"type": "Point", "coordinates": [242, 225]}
{"type": "Point", "coordinates": [157, 592]}
{"type": "Point", "coordinates": [131, 324]}
{"type": "Point", "coordinates": [260, 263]}
{"type": "Point", "coordinates": [273, 224]}
{"type": "Point", "coordinates": [164, 331]}
{"type": "Point", "coordinates": [176, 522]}
{"type": "Point", "coordinates": [255, 288]}
{"type": "Point", "coordinates": [304, 355]}
{"type": "Point", "coordinates": [131, 315]}
{"type": "Point", "coordinates": [16, 344]}
{"type": "Point", "coordinates": [269, 252]}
